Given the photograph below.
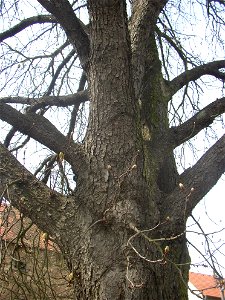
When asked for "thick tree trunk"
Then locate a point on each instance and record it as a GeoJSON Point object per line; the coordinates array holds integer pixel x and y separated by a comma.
{"type": "Point", "coordinates": [122, 230]}
{"type": "Point", "coordinates": [123, 186]}
{"type": "Point", "coordinates": [111, 259]}
{"type": "Point", "coordinates": [107, 268]}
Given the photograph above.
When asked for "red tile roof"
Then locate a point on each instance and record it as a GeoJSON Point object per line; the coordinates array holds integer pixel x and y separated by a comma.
{"type": "Point", "coordinates": [206, 284]}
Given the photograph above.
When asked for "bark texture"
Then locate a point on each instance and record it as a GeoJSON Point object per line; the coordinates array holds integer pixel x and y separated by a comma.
{"type": "Point", "coordinates": [122, 230]}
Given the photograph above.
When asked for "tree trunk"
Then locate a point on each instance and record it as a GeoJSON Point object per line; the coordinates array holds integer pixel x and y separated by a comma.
{"type": "Point", "coordinates": [107, 268]}
{"type": "Point", "coordinates": [122, 230]}
{"type": "Point", "coordinates": [124, 185]}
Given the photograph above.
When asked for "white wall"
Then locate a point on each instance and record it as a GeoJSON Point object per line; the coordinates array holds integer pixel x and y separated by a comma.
{"type": "Point", "coordinates": [190, 295]}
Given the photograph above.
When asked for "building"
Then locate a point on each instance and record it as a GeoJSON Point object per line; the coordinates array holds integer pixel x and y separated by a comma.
{"type": "Point", "coordinates": [206, 287]}
{"type": "Point", "coordinates": [31, 266]}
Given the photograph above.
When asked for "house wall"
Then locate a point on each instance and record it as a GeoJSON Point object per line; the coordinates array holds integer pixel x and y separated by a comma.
{"type": "Point", "coordinates": [38, 274]}
{"type": "Point", "coordinates": [192, 296]}
{"type": "Point", "coordinates": [31, 267]}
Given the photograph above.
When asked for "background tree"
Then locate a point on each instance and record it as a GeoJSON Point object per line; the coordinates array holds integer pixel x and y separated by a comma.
{"type": "Point", "coordinates": [122, 227]}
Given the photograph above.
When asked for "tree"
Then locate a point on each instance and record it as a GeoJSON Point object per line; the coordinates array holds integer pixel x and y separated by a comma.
{"type": "Point", "coordinates": [122, 229]}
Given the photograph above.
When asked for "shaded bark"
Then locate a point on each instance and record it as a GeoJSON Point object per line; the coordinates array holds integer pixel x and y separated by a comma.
{"type": "Point", "coordinates": [120, 177]}
{"type": "Point", "coordinates": [123, 228]}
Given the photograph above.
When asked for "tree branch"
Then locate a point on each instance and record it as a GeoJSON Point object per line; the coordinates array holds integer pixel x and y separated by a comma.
{"type": "Point", "coordinates": [74, 112]}
{"type": "Point", "coordinates": [194, 125]}
{"type": "Point", "coordinates": [174, 44]}
{"type": "Point", "coordinates": [142, 24]}
{"type": "Point", "coordinates": [26, 23]}
{"type": "Point", "coordinates": [196, 182]}
{"type": "Point", "coordinates": [59, 101]}
{"type": "Point", "coordinates": [63, 12]}
{"type": "Point", "coordinates": [211, 68]}
{"type": "Point", "coordinates": [42, 205]}
{"type": "Point", "coordinates": [58, 70]}
{"type": "Point", "coordinates": [43, 131]}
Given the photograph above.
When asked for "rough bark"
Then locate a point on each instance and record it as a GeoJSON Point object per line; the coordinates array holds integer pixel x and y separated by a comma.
{"type": "Point", "coordinates": [122, 177]}
{"type": "Point", "coordinates": [123, 228]}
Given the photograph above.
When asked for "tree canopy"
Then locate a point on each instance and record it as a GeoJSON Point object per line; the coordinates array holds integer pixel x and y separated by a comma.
{"type": "Point", "coordinates": [95, 98]}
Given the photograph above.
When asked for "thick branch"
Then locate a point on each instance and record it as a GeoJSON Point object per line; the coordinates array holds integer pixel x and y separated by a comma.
{"type": "Point", "coordinates": [26, 23]}
{"type": "Point", "coordinates": [211, 68]}
{"type": "Point", "coordinates": [63, 12]}
{"type": "Point", "coordinates": [43, 206]}
{"type": "Point", "coordinates": [59, 101]}
{"type": "Point", "coordinates": [197, 182]}
{"type": "Point", "coordinates": [43, 131]}
{"type": "Point", "coordinates": [194, 125]}
{"type": "Point", "coordinates": [142, 25]}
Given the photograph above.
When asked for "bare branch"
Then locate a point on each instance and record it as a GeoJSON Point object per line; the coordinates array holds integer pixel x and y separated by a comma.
{"type": "Point", "coordinates": [194, 125]}
{"type": "Point", "coordinates": [59, 69]}
{"type": "Point", "coordinates": [196, 182]}
{"type": "Point", "coordinates": [211, 68]}
{"type": "Point", "coordinates": [83, 80]}
{"type": "Point", "coordinates": [26, 23]}
{"type": "Point", "coordinates": [43, 131]}
{"type": "Point", "coordinates": [174, 44]}
{"type": "Point", "coordinates": [73, 27]}
{"type": "Point", "coordinates": [59, 101]}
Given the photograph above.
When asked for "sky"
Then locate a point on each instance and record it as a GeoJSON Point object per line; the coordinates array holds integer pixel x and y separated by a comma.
{"type": "Point", "coordinates": [210, 214]}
